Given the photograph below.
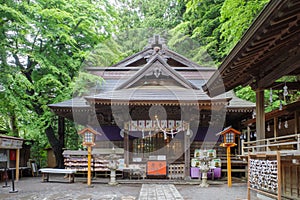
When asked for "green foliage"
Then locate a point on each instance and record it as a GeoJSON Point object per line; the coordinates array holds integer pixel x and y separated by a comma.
{"type": "Point", "coordinates": [245, 93]}
{"type": "Point", "coordinates": [201, 22]}
{"type": "Point", "coordinates": [84, 82]}
{"type": "Point", "coordinates": [163, 14]}
{"type": "Point", "coordinates": [236, 17]}
{"type": "Point", "coordinates": [43, 44]}
{"type": "Point", "coordinates": [217, 25]}
{"type": "Point", "coordinates": [141, 19]}
{"type": "Point", "coordinates": [106, 53]}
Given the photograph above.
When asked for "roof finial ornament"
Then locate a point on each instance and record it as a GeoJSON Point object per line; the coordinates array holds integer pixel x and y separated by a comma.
{"type": "Point", "coordinates": [156, 43]}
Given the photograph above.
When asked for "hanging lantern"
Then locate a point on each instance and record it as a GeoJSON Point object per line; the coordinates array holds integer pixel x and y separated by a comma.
{"type": "Point", "coordinates": [254, 114]}
{"type": "Point", "coordinates": [280, 105]}
{"type": "Point", "coordinates": [286, 125]}
{"type": "Point", "coordinates": [2, 88]}
{"type": "Point", "coordinates": [268, 128]}
{"type": "Point", "coordinates": [279, 124]}
{"type": "Point", "coordinates": [285, 90]}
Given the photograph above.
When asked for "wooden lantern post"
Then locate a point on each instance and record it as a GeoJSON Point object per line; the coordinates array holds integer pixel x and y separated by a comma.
{"type": "Point", "coordinates": [88, 141]}
{"type": "Point", "coordinates": [228, 142]}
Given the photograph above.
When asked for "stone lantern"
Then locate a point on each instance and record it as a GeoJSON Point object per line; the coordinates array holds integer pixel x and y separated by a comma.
{"type": "Point", "coordinates": [204, 167]}
{"type": "Point", "coordinates": [113, 166]}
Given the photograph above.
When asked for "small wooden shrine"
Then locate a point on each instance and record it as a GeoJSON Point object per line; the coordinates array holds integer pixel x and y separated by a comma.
{"type": "Point", "coordinates": [10, 154]}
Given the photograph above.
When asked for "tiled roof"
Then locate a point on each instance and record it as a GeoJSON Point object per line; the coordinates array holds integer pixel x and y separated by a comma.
{"type": "Point", "coordinates": [154, 75]}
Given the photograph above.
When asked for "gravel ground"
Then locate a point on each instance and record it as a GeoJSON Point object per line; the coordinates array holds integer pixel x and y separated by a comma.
{"type": "Point", "coordinates": [31, 188]}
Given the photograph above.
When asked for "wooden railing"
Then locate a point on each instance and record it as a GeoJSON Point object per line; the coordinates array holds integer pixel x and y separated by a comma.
{"type": "Point", "coordinates": [288, 142]}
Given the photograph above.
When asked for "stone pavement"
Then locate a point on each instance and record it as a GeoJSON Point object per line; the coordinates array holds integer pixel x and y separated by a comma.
{"type": "Point", "coordinates": [159, 192]}
{"type": "Point", "coordinates": [31, 188]}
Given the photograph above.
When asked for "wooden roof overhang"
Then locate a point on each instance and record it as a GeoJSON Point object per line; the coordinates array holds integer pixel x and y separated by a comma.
{"type": "Point", "coordinates": [72, 108]}
{"type": "Point", "coordinates": [10, 142]}
{"type": "Point", "coordinates": [133, 101]}
{"type": "Point", "coordinates": [202, 105]}
{"type": "Point", "coordinates": [268, 51]}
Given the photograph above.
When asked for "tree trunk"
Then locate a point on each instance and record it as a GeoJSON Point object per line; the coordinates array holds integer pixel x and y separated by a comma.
{"type": "Point", "coordinates": [13, 124]}
{"type": "Point", "coordinates": [57, 147]}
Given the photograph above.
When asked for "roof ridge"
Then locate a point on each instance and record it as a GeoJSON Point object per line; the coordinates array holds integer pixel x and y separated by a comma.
{"type": "Point", "coordinates": [156, 71]}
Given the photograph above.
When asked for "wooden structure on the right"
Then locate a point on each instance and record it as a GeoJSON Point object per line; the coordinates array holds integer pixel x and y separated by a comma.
{"type": "Point", "coordinates": [282, 135]}
{"type": "Point", "coordinates": [268, 58]}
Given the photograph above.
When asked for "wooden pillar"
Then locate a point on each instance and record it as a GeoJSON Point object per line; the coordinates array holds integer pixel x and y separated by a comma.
{"type": "Point", "coordinates": [187, 156]}
{"type": "Point", "coordinates": [260, 116]}
{"type": "Point", "coordinates": [248, 133]}
{"type": "Point", "coordinates": [242, 147]}
{"type": "Point", "coordinates": [275, 128]}
{"type": "Point", "coordinates": [89, 175]}
{"type": "Point", "coordinates": [228, 154]}
{"type": "Point", "coordinates": [17, 163]}
{"type": "Point", "coordinates": [296, 116]}
{"type": "Point", "coordinates": [248, 177]}
{"type": "Point", "coordinates": [126, 148]}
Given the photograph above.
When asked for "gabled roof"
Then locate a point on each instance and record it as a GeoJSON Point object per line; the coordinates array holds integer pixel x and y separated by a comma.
{"type": "Point", "coordinates": [156, 67]}
{"type": "Point", "coordinates": [141, 58]}
{"type": "Point", "coordinates": [156, 82]}
{"type": "Point", "coordinates": [228, 130]}
{"type": "Point", "coordinates": [156, 75]}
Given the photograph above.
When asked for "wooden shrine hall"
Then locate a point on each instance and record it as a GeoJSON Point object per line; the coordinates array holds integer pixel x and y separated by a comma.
{"type": "Point", "coordinates": [151, 105]}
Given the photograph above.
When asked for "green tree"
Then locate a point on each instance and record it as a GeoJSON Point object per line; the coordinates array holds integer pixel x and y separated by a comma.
{"type": "Point", "coordinates": [236, 18]}
{"type": "Point", "coordinates": [43, 44]}
{"type": "Point", "coordinates": [203, 17]}
{"type": "Point", "coordinates": [163, 14]}
{"type": "Point", "coordinates": [141, 19]}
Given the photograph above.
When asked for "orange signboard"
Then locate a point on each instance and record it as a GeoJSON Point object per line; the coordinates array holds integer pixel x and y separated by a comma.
{"type": "Point", "coordinates": [157, 168]}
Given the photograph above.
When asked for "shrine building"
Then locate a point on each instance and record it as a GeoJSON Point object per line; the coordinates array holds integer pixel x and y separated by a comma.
{"type": "Point", "coordinates": [151, 108]}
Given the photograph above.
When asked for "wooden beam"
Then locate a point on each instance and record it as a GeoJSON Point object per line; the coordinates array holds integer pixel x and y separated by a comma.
{"type": "Point", "coordinates": [290, 63]}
